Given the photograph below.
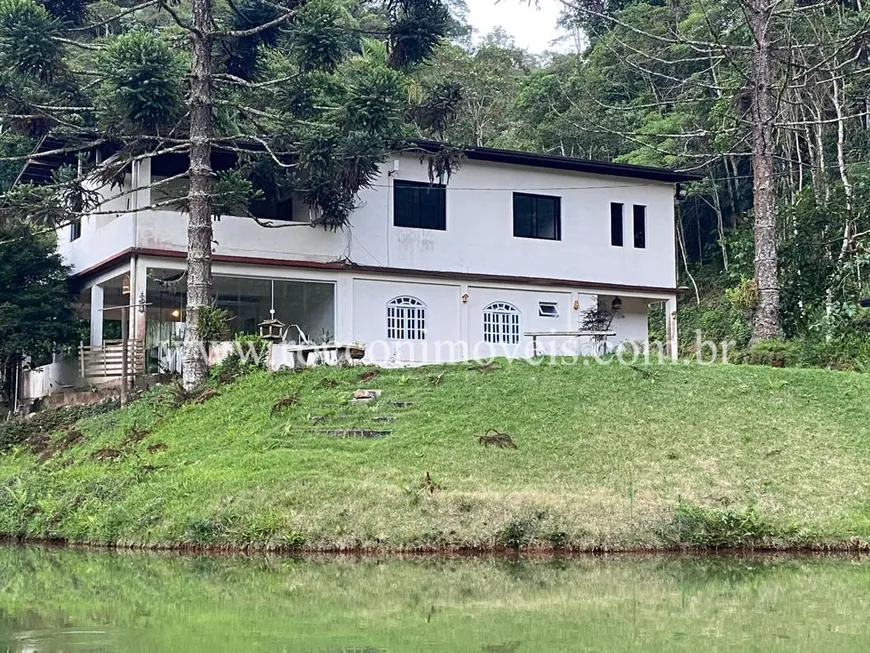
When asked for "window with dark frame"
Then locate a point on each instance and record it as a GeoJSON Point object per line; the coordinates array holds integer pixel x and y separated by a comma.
{"type": "Point", "coordinates": [419, 205]}
{"type": "Point", "coordinates": [616, 224]}
{"type": "Point", "coordinates": [537, 216]}
{"type": "Point", "coordinates": [639, 226]}
{"type": "Point", "coordinates": [75, 229]}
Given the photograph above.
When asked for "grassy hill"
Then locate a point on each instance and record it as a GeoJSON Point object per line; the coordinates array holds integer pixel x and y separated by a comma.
{"type": "Point", "coordinates": [607, 457]}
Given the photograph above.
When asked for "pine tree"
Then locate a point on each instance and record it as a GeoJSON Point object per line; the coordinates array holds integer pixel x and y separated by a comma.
{"type": "Point", "coordinates": [35, 300]}
{"type": "Point", "coordinates": [310, 94]}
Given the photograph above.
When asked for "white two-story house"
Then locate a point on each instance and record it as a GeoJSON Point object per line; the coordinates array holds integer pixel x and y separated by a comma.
{"type": "Point", "coordinates": [512, 243]}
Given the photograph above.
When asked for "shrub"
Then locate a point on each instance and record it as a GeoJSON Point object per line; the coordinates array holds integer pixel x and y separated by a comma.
{"type": "Point", "coordinates": [213, 323]}
{"type": "Point", "coordinates": [744, 296]}
{"type": "Point", "coordinates": [775, 353]}
{"type": "Point", "coordinates": [848, 352]}
{"type": "Point", "coordinates": [515, 534]}
{"type": "Point", "coordinates": [713, 528]}
{"type": "Point", "coordinates": [18, 430]}
{"type": "Point", "coordinates": [250, 352]}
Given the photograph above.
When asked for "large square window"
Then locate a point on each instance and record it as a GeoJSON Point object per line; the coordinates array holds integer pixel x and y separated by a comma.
{"type": "Point", "coordinates": [419, 205]}
{"type": "Point", "coordinates": [537, 216]}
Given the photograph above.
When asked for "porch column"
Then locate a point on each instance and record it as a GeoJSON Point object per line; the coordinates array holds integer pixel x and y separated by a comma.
{"type": "Point", "coordinates": [138, 294]}
{"type": "Point", "coordinates": [671, 327]}
{"type": "Point", "coordinates": [97, 315]}
{"type": "Point", "coordinates": [141, 182]}
{"type": "Point", "coordinates": [464, 328]}
{"type": "Point", "coordinates": [343, 298]}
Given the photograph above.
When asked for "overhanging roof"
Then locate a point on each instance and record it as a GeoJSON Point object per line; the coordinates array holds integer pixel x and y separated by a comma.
{"type": "Point", "coordinates": [515, 157]}
{"type": "Point", "coordinates": [39, 170]}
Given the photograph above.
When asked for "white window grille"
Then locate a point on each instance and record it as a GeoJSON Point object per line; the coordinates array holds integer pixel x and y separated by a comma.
{"type": "Point", "coordinates": [501, 324]}
{"type": "Point", "coordinates": [406, 319]}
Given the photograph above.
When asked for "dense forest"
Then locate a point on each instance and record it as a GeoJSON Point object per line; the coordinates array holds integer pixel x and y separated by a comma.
{"type": "Point", "coordinates": [682, 85]}
{"type": "Point", "coordinates": [767, 100]}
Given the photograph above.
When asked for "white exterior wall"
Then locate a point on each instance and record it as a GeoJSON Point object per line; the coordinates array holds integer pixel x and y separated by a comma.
{"type": "Point", "coordinates": [526, 302]}
{"type": "Point", "coordinates": [442, 300]}
{"type": "Point", "coordinates": [479, 236]}
{"type": "Point", "coordinates": [233, 236]}
{"type": "Point", "coordinates": [477, 244]}
{"type": "Point", "coordinates": [478, 240]}
{"type": "Point", "coordinates": [631, 325]}
{"type": "Point", "coordinates": [97, 243]}
{"type": "Point", "coordinates": [454, 328]}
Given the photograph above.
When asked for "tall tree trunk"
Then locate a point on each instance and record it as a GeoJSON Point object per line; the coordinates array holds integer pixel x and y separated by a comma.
{"type": "Point", "coordinates": [720, 226]}
{"type": "Point", "coordinates": [846, 241]}
{"type": "Point", "coordinates": [765, 324]}
{"type": "Point", "coordinates": [199, 227]}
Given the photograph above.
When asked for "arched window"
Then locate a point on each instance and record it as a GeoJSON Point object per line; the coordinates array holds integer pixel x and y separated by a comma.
{"type": "Point", "coordinates": [406, 319]}
{"type": "Point", "coordinates": [501, 324]}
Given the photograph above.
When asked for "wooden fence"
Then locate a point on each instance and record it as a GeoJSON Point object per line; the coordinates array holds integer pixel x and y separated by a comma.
{"type": "Point", "coordinates": [105, 361]}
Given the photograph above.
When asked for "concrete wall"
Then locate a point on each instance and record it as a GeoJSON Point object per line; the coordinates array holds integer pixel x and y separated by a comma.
{"type": "Point", "coordinates": [479, 236]}
{"type": "Point", "coordinates": [243, 237]}
{"type": "Point", "coordinates": [97, 243]}
{"type": "Point", "coordinates": [50, 379]}
{"type": "Point", "coordinates": [442, 300]}
{"type": "Point", "coordinates": [455, 328]}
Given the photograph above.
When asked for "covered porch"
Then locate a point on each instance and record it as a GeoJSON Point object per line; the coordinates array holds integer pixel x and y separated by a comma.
{"type": "Point", "coordinates": [306, 307]}
{"type": "Point", "coordinates": [152, 299]}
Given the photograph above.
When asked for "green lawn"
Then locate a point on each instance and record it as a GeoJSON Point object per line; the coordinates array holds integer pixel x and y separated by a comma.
{"type": "Point", "coordinates": [607, 457]}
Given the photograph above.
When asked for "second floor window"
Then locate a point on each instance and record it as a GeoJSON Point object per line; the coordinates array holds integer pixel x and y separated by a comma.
{"type": "Point", "coordinates": [406, 319]}
{"type": "Point", "coordinates": [419, 205]}
{"type": "Point", "coordinates": [272, 209]}
{"type": "Point", "coordinates": [639, 226]}
{"type": "Point", "coordinates": [75, 229]}
{"type": "Point", "coordinates": [616, 226]}
{"type": "Point", "coordinates": [537, 216]}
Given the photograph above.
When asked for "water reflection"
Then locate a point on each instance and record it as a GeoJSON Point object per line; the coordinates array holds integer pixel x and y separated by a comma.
{"type": "Point", "coordinates": [66, 601]}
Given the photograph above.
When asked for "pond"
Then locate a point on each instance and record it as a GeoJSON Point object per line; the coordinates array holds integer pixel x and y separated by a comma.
{"type": "Point", "coordinates": [73, 601]}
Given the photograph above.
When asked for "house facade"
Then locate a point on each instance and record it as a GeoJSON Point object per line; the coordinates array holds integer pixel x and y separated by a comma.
{"type": "Point", "coordinates": [511, 244]}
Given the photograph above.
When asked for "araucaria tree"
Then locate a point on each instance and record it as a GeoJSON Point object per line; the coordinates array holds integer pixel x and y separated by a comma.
{"type": "Point", "coordinates": [307, 96]}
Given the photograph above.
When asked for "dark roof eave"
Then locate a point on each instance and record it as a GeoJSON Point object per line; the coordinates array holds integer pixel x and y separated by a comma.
{"type": "Point", "coordinates": [32, 171]}
{"type": "Point", "coordinates": [572, 164]}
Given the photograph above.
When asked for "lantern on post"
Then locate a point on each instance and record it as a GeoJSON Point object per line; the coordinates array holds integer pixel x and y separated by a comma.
{"type": "Point", "coordinates": [272, 329]}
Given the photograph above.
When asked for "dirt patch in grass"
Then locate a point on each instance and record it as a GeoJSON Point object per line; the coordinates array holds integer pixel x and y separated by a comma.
{"type": "Point", "coordinates": [107, 454]}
